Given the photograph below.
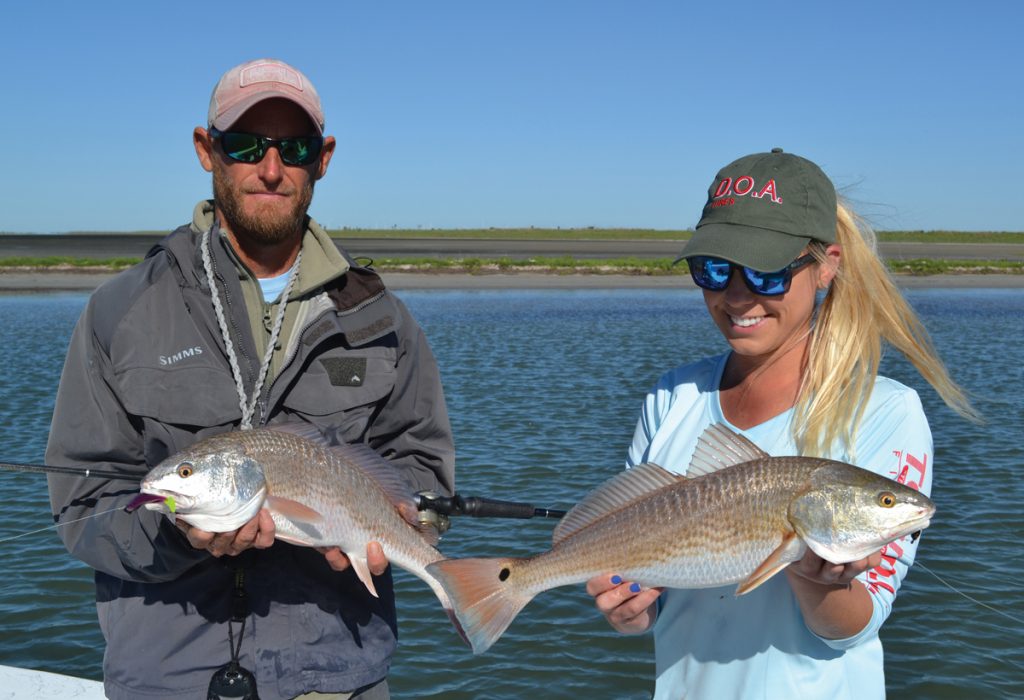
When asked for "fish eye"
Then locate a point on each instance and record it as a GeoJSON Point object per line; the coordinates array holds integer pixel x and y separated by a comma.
{"type": "Point", "coordinates": [886, 499]}
{"type": "Point", "coordinates": [185, 470]}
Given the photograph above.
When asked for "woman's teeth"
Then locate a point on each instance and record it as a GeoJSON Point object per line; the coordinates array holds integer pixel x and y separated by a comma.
{"type": "Point", "coordinates": [746, 322]}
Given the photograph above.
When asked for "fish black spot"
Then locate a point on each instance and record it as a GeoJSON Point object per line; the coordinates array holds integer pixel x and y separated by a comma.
{"type": "Point", "coordinates": [503, 574]}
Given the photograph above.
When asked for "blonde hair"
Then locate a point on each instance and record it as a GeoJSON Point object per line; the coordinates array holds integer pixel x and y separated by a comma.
{"type": "Point", "coordinates": [861, 309]}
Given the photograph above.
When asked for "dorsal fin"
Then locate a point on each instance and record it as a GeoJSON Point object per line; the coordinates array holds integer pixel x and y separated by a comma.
{"type": "Point", "coordinates": [615, 493]}
{"type": "Point", "coordinates": [390, 480]}
{"type": "Point", "coordinates": [382, 472]}
{"type": "Point", "coordinates": [718, 448]}
{"type": "Point", "coordinates": [300, 428]}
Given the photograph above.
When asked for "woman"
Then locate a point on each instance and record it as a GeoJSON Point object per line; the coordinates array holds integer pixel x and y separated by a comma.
{"type": "Point", "coordinates": [794, 285]}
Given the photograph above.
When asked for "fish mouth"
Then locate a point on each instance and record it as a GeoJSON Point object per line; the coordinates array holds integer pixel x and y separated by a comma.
{"type": "Point", "coordinates": [913, 528]}
{"type": "Point", "coordinates": [157, 500]}
{"type": "Point", "coordinates": [143, 499]}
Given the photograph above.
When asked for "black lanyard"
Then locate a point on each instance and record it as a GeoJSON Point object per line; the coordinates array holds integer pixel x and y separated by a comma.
{"type": "Point", "coordinates": [233, 680]}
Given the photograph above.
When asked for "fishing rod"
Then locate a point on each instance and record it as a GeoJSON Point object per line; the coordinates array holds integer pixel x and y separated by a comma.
{"type": "Point", "coordinates": [70, 471]}
{"type": "Point", "coordinates": [477, 507]}
{"type": "Point", "coordinates": [457, 504]}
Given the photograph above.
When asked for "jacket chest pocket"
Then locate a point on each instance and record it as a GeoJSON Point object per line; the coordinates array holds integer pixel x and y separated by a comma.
{"type": "Point", "coordinates": [344, 389]}
{"type": "Point", "coordinates": [178, 406]}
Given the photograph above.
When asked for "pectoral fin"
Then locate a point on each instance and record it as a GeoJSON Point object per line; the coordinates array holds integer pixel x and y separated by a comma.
{"type": "Point", "coordinates": [791, 549]}
{"type": "Point", "coordinates": [294, 511]}
{"type": "Point", "coordinates": [302, 517]}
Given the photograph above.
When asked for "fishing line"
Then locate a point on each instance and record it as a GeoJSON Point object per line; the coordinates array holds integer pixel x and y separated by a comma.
{"type": "Point", "coordinates": [57, 525]}
{"type": "Point", "coordinates": [973, 600]}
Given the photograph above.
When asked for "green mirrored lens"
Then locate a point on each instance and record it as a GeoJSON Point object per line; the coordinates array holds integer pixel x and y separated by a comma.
{"type": "Point", "coordinates": [295, 151]}
{"type": "Point", "coordinates": [250, 148]}
{"type": "Point", "coordinates": [246, 148]}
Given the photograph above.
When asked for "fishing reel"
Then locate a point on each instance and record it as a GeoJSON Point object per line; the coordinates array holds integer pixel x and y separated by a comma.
{"type": "Point", "coordinates": [429, 515]}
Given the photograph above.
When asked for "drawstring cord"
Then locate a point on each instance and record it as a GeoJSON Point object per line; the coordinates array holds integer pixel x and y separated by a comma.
{"type": "Point", "coordinates": [247, 405]}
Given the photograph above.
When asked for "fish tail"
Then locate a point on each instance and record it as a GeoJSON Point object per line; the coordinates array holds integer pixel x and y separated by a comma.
{"type": "Point", "coordinates": [446, 603]}
{"type": "Point", "coordinates": [484, 595]}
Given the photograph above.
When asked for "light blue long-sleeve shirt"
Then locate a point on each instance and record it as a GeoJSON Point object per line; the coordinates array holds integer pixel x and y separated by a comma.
{"type": "Point", "coordinates": [710, 643]}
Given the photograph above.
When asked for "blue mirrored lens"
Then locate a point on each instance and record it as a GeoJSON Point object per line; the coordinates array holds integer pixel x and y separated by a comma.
{"type": "Point", "coordinates": [714, 274]}
{"type": "Point", "coordinates": [710, 273]}
{"type": "Point", "coordinates": [766, 282]}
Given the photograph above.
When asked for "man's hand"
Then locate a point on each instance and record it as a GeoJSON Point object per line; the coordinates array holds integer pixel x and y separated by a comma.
{"type": "Point", "coordinates": [375, 558]}
{"type": "Point", "coordinates": [258, 533]}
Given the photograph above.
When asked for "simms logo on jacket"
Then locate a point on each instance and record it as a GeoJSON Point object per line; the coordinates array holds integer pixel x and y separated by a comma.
{"type": "Point", "coordinates": [166, 360]}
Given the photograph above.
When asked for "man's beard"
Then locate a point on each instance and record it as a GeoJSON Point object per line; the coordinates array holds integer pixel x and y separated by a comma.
{"type": "Point", "coordinates": [267, 225]}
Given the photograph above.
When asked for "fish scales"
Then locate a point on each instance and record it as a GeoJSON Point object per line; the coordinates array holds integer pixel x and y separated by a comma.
{"type": "Point", "coordinates": [710, 531]}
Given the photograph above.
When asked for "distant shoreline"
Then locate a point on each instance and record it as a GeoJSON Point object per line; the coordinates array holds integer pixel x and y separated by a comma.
{"type": "Point", "coordinates": [66, 281]}
{"type": "Point", "coordinates": [102, 247]}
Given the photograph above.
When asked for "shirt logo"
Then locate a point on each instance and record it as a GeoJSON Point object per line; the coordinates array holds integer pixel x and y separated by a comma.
{"type": "Point", "coordinates": [911, 471]}
{"type": "Point", "coordinates": [167, 360]}
{"type": "Point", "coordinates": [345, 371]}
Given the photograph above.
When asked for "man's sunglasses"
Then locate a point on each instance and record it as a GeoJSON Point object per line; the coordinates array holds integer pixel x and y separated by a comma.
{"type": "Point", "coordinates": [714, 274]}
{"type": "Point", "coordinates": [250, 148]}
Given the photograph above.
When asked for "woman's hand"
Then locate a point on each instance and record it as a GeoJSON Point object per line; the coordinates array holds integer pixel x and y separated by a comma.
{"type": "Point", "coordinates": [814, 568]}
{"type": "Point", "coordinates": [629, 608]}
{"type": "Point", "coordinates": [833, 603]}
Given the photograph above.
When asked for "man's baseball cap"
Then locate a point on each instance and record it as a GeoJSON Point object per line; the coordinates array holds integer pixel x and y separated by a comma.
{"type": "Point", "coordinates": [763, 209]}
{"type": "Point", "coordinates": [254, 81]}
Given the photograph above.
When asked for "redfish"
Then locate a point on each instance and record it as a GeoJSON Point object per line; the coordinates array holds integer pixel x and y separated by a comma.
{"type": "Point", "coordinates": [318, 495]}
{"type": "Point", "coordinates": [739, 516]}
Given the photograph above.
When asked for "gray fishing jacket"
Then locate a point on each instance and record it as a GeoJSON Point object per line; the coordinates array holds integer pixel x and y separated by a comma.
{"type": "Point", "coordinates": [147, 375]}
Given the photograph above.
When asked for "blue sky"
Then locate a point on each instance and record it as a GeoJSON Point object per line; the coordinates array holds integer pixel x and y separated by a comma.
{"type": "Point", "coordinates": [527, 113]}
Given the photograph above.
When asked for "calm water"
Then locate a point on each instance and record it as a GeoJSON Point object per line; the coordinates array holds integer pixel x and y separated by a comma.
{"type": "Point", "coordinates": [543, 390]}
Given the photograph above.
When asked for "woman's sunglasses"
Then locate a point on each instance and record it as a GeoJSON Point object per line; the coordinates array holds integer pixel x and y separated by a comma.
{"type": "Point", "coordinates": [714, 274]}
{"type": "Point", "coordinates": [250, 148]}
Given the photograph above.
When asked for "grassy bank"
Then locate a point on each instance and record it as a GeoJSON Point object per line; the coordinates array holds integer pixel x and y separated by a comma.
{"type": "Point", "coordinates": [558, 265]}
{"type": "Point", "coordinates": [636, 234]}
{"type": "Point", "coordinates": [611, 234]}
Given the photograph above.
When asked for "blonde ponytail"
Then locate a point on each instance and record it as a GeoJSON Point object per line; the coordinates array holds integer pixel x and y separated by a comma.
{"type": "Point", "coordinates": [861, 309]}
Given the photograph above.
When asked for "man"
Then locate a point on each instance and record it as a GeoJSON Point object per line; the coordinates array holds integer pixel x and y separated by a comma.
{"type": "Point", "coordinates": [175, 350]}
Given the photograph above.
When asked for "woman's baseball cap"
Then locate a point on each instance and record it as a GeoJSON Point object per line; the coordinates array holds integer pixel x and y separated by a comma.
{"type": "Point", "coordinates": [254, 81]}
{"type": "Point", "coordinates": [763, 210]}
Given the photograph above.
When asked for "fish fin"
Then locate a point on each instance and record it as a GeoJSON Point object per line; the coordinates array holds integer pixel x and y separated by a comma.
{"type": "Point", "coordinates": [301, 516]}
{"type": "Point", "coordinates": [302, 429]}
{"type": "Point", "coordinates": [718, 448]}
{"type": "Point", "coordinates": [410, 513]}
{"type": "Point", "coordinates": [791, 549]}
{"type": "Point", "coordinates": [294, 540]}
{"type": "Point", "coordinates": [484, 596]}
{"type": "Point", "coordinates": [293, 510]}
{"type": "Point", "coordinates": [362, 569]}
{"type": "Point", "coordinates": [614, 494]}
{"type": "Point", "coordinates": [442, 596]}
{"type": "Point", "coordinates": [385, 474]}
